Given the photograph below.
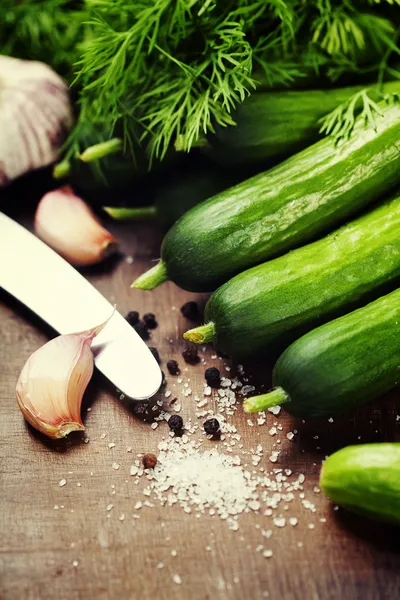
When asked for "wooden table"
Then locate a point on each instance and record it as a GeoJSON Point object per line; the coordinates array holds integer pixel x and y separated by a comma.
{"type": "Point", "coordinates": [345, 557]}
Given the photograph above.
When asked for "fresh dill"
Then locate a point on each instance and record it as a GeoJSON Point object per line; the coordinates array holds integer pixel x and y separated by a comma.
{"type": "Point", "coordinates": [157, 71]}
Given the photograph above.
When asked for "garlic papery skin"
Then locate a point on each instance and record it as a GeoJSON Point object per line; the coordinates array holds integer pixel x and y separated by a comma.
{"type": "Point", "coordinates": [35, 115]}
{"type": "Point", "coordinates": [68, 225]}
{"type": "Point", "coordinates": [51, 385]}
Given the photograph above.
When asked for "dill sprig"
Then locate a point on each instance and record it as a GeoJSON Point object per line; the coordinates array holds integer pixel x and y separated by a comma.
{"type": "Point", "coordinates": [45, 30]}
{"type": "Point", "coordinates": [156, 71]}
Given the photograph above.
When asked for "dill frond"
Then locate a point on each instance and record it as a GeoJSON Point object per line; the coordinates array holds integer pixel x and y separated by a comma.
{"type": "Point", "coordinates": [339, 123]}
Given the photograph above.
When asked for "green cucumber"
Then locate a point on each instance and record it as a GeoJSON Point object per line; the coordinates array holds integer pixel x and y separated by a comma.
{"type": "Point", "coordinates": [340, 365]}
{"type": "Point", "coordinates": [271, 126]}
{"type": "Point", "coordinates": [178, 193]}
{"type": "Point", "coordinates": [267, 215]}
{"type": "Point", "coordinates": [276, 302]}
{"type": "Point", "coordinates": [365, 479]}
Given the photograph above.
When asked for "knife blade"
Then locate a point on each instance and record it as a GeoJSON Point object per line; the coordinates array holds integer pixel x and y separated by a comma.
{"type": "Point", "coordinates": [61, 296]}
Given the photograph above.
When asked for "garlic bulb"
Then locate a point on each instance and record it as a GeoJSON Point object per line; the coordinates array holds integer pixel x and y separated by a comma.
{"type": "Point", "coordinates": [68, 225]}
{"type": "Point", "coordinates": [35, 114]}
{"type": "Point", "coordinates": [53, 381]}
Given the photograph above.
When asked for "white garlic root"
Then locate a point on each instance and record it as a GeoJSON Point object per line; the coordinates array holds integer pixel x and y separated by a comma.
{"type": "Point", "coordinates": [68, 225]}
{"type": "Point", "coordinates": [51, 385]}
{"type": "Point", "coordinates": [35, 115]}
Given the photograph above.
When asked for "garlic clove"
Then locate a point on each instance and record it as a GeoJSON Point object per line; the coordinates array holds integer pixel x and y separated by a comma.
{"type": "Point", "coordinates": [51, 385]}
{"type": "Point", "coordinates": [35, 115]}
{"type": "Point", "coordinates": [66, 223]}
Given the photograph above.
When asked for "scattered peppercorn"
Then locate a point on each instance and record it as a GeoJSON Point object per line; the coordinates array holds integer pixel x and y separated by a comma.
{"type": "Point", "coordinates": [154, 352]}
{"type": "Point", "coordinates": [190, 311]}
{"type": "Point", "coordinates": [142, 330]}
{"type": "Point", "coordinates": [211, 427]}
{"type": "Point", "coordinates": [173, 367]}
{"type": "Point", "coordinates": [213, 377]}
{"type": "Point", "coordinates": [150, 321]}
{"type": "Point", "coordinates": [149, 461]}
{"type": "Point", "coordinates": [190, 355]}
{"type": "Point", "coordinates": [132, 317]}
{"type": "Point", "coordinates": [175, 422]}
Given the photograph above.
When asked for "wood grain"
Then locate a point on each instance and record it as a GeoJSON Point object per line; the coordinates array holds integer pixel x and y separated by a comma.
{"type": "Point", "coordinates": [345, 557]}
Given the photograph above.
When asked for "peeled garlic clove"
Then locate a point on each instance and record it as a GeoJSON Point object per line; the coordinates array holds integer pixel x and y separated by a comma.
{"type": "Point", "coordinates": [68, 225]}
{"type": "Point", "coordinates": [35, 115]}
{"type": "Point", "coordinates": [52, 383]}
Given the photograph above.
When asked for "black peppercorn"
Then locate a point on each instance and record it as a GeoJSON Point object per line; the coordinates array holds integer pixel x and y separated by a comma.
{"type": "Point", "coordinates": [213, 377]}
{"type": "Point", "coordinates": [142, 330]}
{"type": "Point", "coordinates": [190, 311]}
{"type": "Point", "coordinates": [132, 317]}
{"type": "Point", "coordinates": [173, 367]}
{"type": "Point", "coordinates": [190, 355]}
{"type": "Point", "coordinates": [154, 352]}
{"type": "Point", "coordinates": [175, 422]}
{"type": "Point", "coordinates": [211, 427]}
{"type": "Point", "coordinates": [150, 321]}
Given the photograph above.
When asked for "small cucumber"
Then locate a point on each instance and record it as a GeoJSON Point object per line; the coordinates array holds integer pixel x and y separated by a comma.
{"type": "Point", "coordinates": [271, 213]}
{"type": "Point", "coordinates": [178, 192]}
{"type": "Point", "coordinates": [271, 126]}
{"type": "Point", "coordinates": [339, 365]}
{"type": "Point", "coordinates": [275, 303]}
{"type": "Point", "coordinates": [365, 479]}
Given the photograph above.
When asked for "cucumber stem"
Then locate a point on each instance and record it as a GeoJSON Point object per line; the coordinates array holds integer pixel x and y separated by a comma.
{"type": "Point", "coordinates": [152, 278]}
{"type": "Point", "coordinates": [202, 334]}
{"type": "Point", "coordinates": [101, 150]}
{"type": "Point", "coordinates": [264, 401]}
{"type": "Point", "coordinates": [131, 214]}
{"type": "Point", "coordinates": [62, 169]}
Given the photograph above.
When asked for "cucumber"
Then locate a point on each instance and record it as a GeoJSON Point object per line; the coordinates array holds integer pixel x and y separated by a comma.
{"type": "Point", "coordinates": [178, 193]}
{"type": "Point", "coordinates": [280, 209]}
{"type": "Point", "coordinates": [271, 126]}
{"type": "Point", "coordinates": [365, 479]}
{"type": "Point", "coordinates": [102, 169]}
{"type": "Point", "coordinates": [339, 365]}
{"type": "Point", "coordinates": [274, 303]}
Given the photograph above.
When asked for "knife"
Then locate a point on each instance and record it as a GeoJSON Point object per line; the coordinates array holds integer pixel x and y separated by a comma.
{"type": "Point", "coordinates": [61, 296]}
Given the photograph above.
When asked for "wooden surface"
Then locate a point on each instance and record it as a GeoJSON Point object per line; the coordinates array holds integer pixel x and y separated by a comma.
{"type": "Point", "coordinates": [345, 557]}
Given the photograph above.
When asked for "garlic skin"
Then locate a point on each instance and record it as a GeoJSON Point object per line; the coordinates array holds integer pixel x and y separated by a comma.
{"type": "Point", "coordinates": [67, 224]}
{"type": "Point", "coordinates": [35, 115]}
{"type": "Point", "coordinates": [51, 385]}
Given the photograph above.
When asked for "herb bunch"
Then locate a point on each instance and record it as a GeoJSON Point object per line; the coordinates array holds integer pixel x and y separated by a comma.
{"type": "Point", "coordinates": [159, 71]}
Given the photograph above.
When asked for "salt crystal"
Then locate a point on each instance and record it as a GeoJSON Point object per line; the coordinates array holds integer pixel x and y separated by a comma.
{"type": "Point", "coordinates": [290, 435]}
{"type": "Point", "coordinates": [134, 470]}
{"type": "Point", "coordinates": [176, 579]}
{"type": "Point", "coordinates": [110, 507]}
{"type": "Point", "coordinates": [154, 425]}
{"type": "Point", "coordinates": [267, 553]}
{"type": "Point", "coordinates": [160, 565]}
{"type": "Point", "coordinates": [247, 389]}
{"type": "Point", "coordinates": [275, 410]}
{"type": "Point", "coordinates": [62, 482]}
{"type": "Point", "coordinates": [138, 505]}
{"type": "Point", "coordinates": [115, 466]}
{"type": "Point", "coordinates": [75, 563]}
{"type": "Point", "coordinates": [121, 517]}
{"type": "Point", "coordinates": [279, 521]}
{"type": "Point", "coordinates": [111, 445]}
{"type": "Point", "coordinates": [311, 526]}
{"type": "Point", "coordinates": [293, 521]}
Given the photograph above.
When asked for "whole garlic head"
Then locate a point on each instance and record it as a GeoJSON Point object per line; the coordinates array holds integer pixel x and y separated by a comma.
{"type": "Point", "coordinates": [35, 115]}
